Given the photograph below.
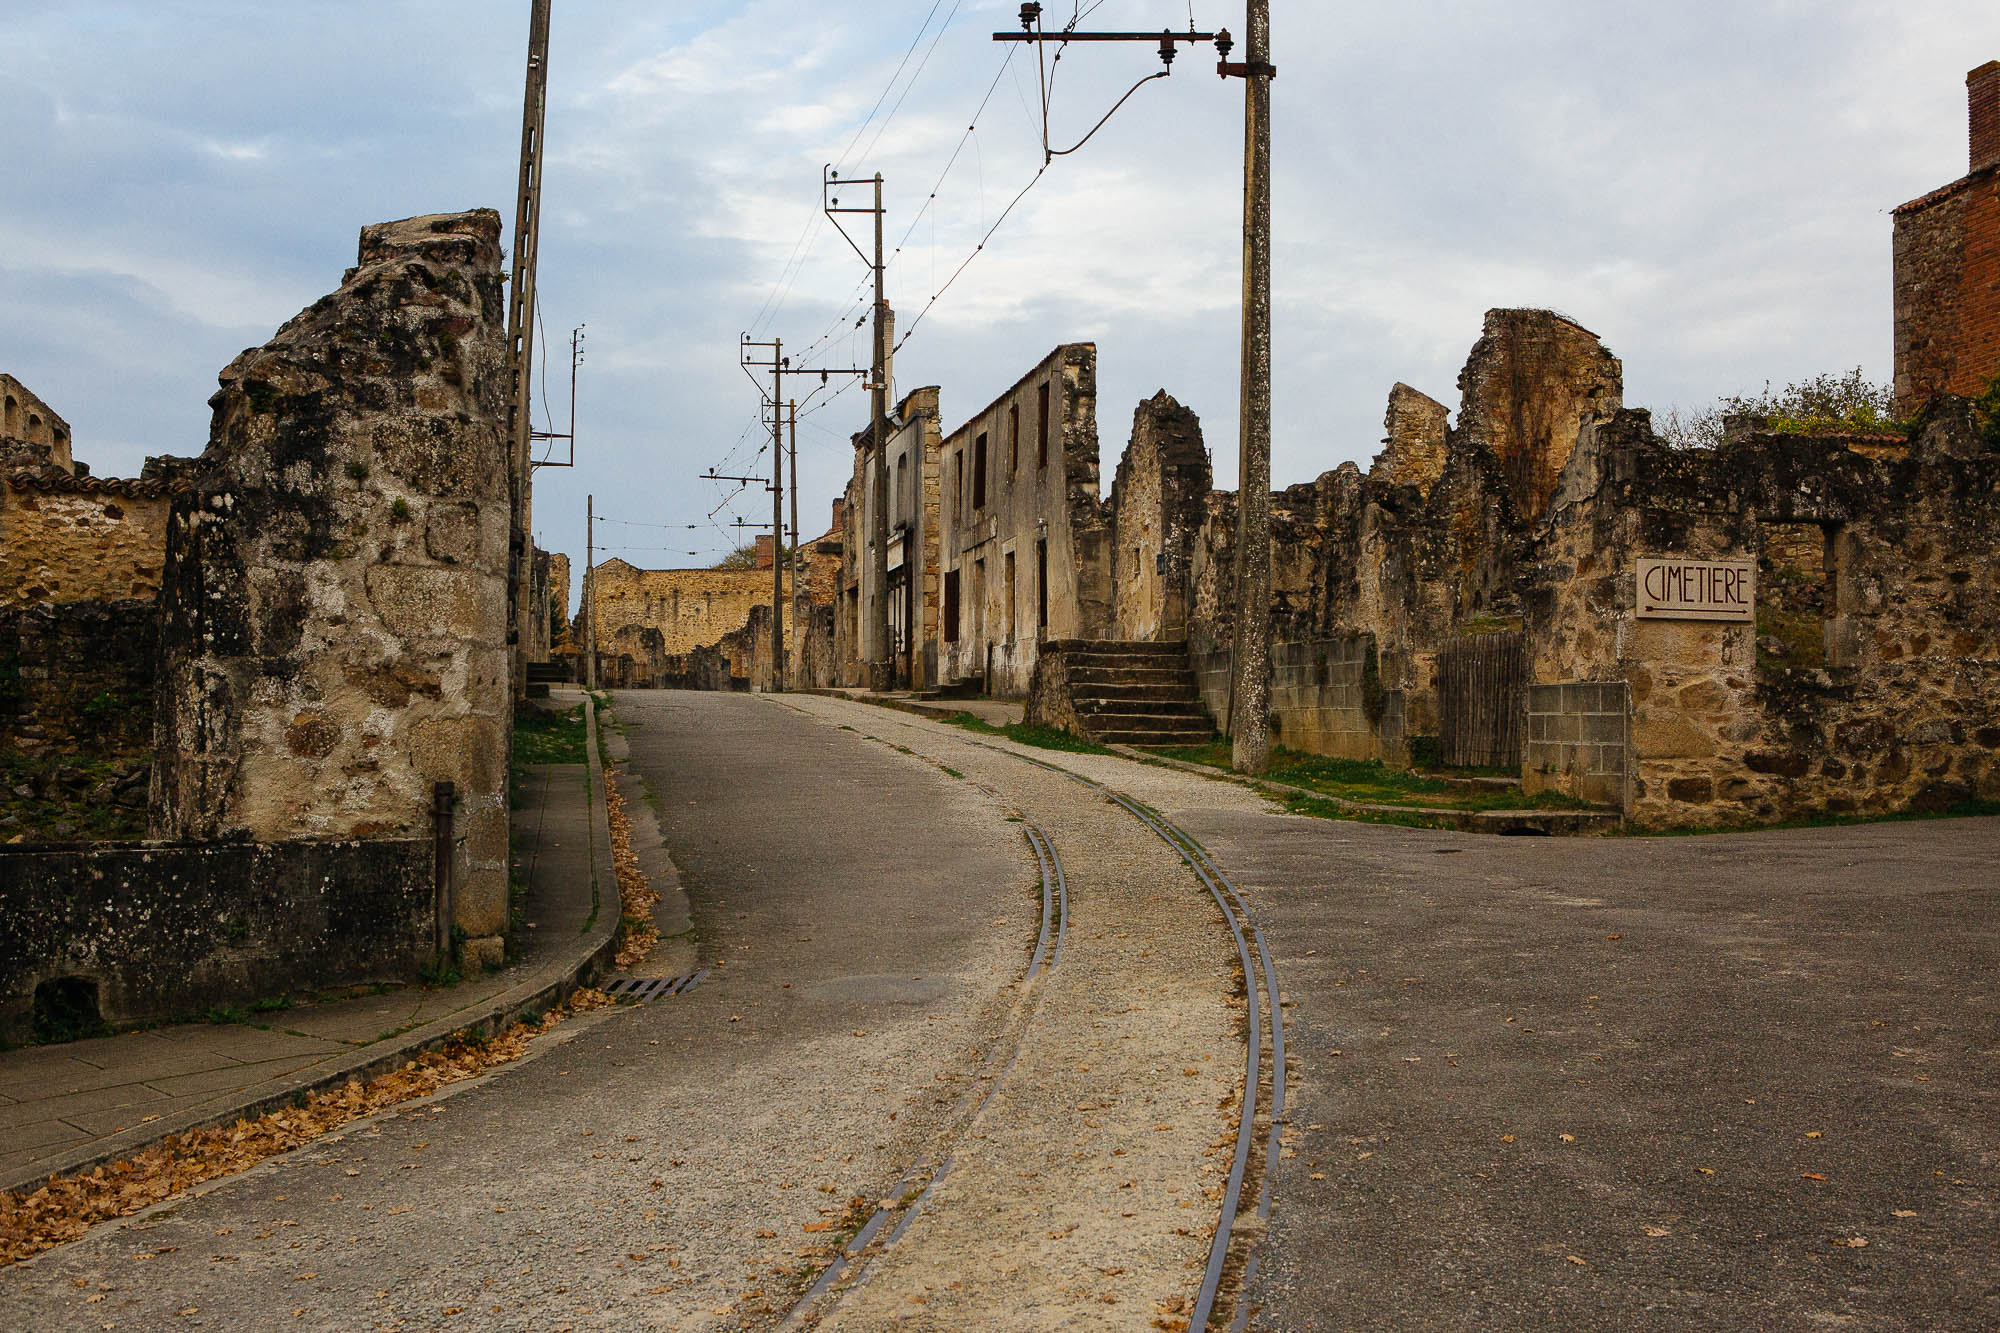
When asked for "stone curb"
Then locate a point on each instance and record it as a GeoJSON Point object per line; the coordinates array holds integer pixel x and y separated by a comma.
{"type": "Point", "coordinates": [550, 985]}
{"type": "Point", "coordinates": [1554, 823]}
{"type": "Point", "coordinates": [937, 711]}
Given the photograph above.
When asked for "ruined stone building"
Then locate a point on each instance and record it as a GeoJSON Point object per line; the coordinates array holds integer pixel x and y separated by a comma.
{"type": "Point", "coordinates": [912, 586]}
{"type": "Point", "coordinates": [31, 434]}
{"type": "Point", "coordinates": [699, 628]}
{"type": "Point", "coordinates": [1947, 268]}
{"type": "Point", "coordinates": [309, 625]}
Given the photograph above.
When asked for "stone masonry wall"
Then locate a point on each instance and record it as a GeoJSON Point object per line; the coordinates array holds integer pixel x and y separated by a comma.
{"type": "Point", "coordinates": [1156, 510]}
{"type": "Point", "coordinates": [1040, 488]}
{"type": "Point", "coordinates": [78, 539]}
{"type": "Point", "coordinates": [691, 608]}
{"type": "Point", "coordinates": [1899, 716]}
{"type": "Point", "coordinates": [1532, 380]}
{"type": "Point", "coordinates": [165, 932]}
{"type": "Point", "coordinates": [334, 609]}
{"type": "Point", "coordinates": [1413, 450]}
{"type": "Point", "coordinates": [25, 420]}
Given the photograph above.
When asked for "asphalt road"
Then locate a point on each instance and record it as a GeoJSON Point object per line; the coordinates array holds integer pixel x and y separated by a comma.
{"type": "Point", "coordinates": [1742, 1082]}
{"type": "Point", "coordinates": [658, 1169]}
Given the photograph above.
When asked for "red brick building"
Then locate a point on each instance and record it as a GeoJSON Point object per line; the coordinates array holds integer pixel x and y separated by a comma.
{"type": "Point", "coordinates": [1948, 268]}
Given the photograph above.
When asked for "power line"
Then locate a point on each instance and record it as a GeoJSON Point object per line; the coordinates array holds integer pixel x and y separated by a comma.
{"type": "Point", "coordinates": [919, 73]}
{"type": "Point", "coordinates": [841, 161]}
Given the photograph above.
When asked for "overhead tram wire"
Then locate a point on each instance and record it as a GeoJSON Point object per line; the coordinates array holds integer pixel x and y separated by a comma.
{"type": "Point", "coordinates": [1049, 155]}
{"type": "Point", "coordinates": [808, 237]}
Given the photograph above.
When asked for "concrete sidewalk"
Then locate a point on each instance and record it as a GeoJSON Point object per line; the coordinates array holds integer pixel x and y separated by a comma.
{"type": "Point", "coordinates": [75, 1105]}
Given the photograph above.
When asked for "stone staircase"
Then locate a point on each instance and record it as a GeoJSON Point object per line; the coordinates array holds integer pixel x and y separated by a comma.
{"type": "Point", "coordinates": [1134, 693]}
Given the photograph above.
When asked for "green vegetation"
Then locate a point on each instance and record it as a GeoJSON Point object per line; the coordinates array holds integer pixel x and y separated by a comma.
{"type": "Point", "coordinates": [1987, 407]}
{"type": "Point", "coordinates": [745, 557]}
{"type": "Point", "coordinates": [1848, 404]}
{"type": "Point", "coordinates": [69, 797]}
{"type": "Point", "coordinates": [1319, 809]}
{"type": "Point", "coordinates": [1042, 738]}
{"type": "Point", "coordinates": [399, 512]}
{"type": "Point", "coordinates": [1371, 782]}
{"type": "Point", "coordinates": [357, 472]}
{"type": "Point", "coordinates": [1801, 632]}
{"type": "Point", "coordinates": [544, 736]}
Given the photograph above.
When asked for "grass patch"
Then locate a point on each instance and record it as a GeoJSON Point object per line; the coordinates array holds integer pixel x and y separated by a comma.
{"type": "Point", "coordinates": [1042, 738]}
{"type": "Point", "coordinates": [1372, 782]}
{"type": "Point", "coordinates": [1319, 809]}
{"type": "Point", "coordinates": [544, 736]}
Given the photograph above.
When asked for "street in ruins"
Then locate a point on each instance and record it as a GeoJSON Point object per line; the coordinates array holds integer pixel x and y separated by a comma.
{"type": "Point", "coordinates": [1605, 1084]}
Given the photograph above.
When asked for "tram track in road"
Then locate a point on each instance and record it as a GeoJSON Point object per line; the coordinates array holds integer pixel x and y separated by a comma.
{"type": "Point", "coordinates": [900, 1207]}
{"type": "Point", "coordinates": [1232, 1260]}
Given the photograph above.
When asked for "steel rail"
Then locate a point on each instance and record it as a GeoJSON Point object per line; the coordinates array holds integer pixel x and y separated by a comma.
{"type": "Point", "coordinates": [1236, 913]}
{"type": "Point", "coordinates": [1225, 893]}
{"type": "Point", "coordinates": [1054, 929]}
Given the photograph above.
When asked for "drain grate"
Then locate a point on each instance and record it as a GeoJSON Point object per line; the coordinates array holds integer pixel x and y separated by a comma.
{"type": "Point", "coordinates": [638, 990]}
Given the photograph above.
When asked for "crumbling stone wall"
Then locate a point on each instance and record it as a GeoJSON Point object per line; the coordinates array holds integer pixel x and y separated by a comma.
{"type": "Point", "coordinates": [559, 593]}
{"type": "Point", "coordinates": [1156, 510]}
{"type": "Point", "coordinates": [163, 932]}
{"type": "Point", "coordinates": [30, 430]}
{"type": "Point", "coordinates": [688, 608]}
{"type": "Point", "coordinates": [1413, 450]}
{"type": "Point", "coordinates": [65, 538]}
{"type": "Point", "coordinates": [334, 607]}
{"type": "Point", "coordinates": [1900, 716]}
{"type": "Point", "coordinates": [1410, 555]}
{"type": "Point", "coordinates": [1531, 382]}
{"type": "Point", "coordinates": [1947, 268]}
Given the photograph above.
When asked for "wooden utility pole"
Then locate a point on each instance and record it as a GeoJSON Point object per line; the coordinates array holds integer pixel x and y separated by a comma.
{"type": "Point", "coordinates": [1250, 691]}
{"type": "Point", "coordinates": [1250, 676]}
{"type": "Point", "coordinates": [590, 590]}
{"type": "Point", "coordinates": [521, 341]}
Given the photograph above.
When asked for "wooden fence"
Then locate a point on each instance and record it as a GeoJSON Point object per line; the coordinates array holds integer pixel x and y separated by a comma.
{"type": "Point", "coordinates": [1482, 687]}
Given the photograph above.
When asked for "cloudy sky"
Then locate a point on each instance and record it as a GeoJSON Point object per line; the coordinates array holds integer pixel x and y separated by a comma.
{"type": "Point", "coordinates": [1705, 185]}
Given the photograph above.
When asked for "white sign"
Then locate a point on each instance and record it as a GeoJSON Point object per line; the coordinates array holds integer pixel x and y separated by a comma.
{"type": "Point", "coordinates": [1697, 590]}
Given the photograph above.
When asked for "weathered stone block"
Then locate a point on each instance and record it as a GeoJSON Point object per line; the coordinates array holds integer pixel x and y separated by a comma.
{"type": "Point", "coordinates": [1693, 791]}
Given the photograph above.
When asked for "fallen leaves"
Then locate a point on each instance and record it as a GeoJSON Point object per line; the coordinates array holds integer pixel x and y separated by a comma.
{"type": "Point", "coordinates": [635, 892]}
{"type": "Point", "coordinates": [1657, 1232]}
{"type": "Point", "coordinates": [65, 1207]}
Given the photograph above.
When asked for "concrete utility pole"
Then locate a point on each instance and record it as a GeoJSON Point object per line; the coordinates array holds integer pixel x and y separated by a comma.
{"type": "Point", "coordinates": [1250, 685]}
{"type": "Point", "coordinates": [884, 662]}
{"type": "Point", "coordinates": [798, 560]}
{"type": "Point", "coordinates": [778, 515]}
{"type": "Point", "coordinates": [1250, 692]}
{"type": "Point", "coordinates": [521, 340]}
{"type": "Point", "coordinates": [590, 590]}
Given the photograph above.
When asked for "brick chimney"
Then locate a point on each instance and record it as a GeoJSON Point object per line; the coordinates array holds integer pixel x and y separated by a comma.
{"type": "Point", "coordinates": [839, 514]}
{"type": "Point", "coordinates": [765, 551]}
{"type": "Point", "coordinates": [1982, 93]}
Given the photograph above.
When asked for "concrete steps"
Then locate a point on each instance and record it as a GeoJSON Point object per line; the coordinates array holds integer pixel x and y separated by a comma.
{"type": "Point", "coordinates": [1140, 694]}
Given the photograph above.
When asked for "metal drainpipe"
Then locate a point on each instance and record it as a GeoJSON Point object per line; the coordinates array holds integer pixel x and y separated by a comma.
{"type": "Point", "coordinates": [443, 798]}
